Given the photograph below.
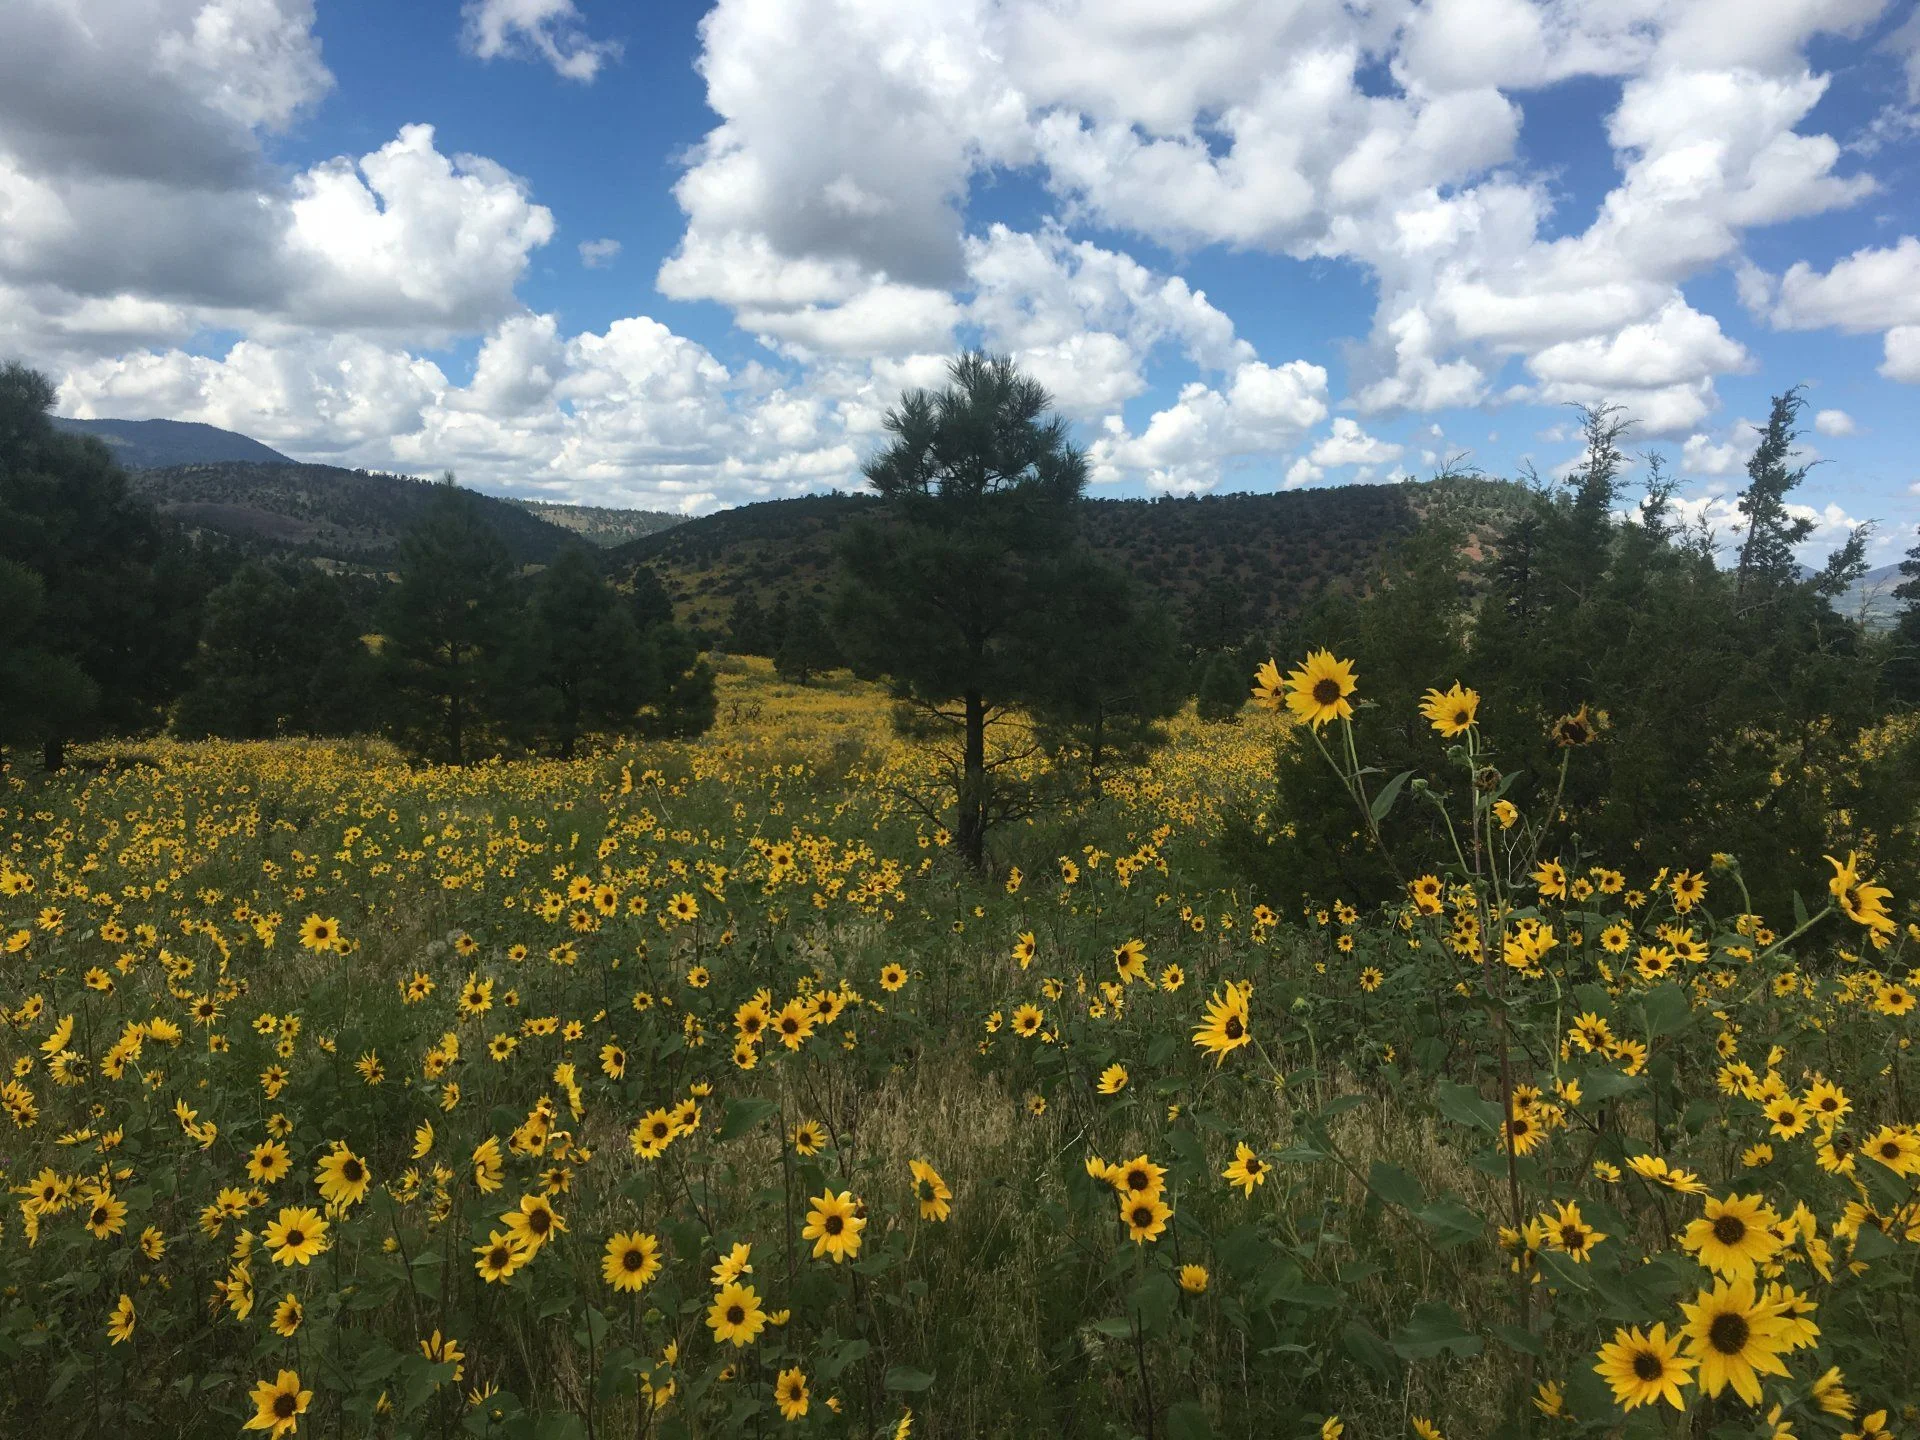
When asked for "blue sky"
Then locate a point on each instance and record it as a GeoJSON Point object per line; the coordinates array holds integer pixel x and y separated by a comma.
{"type": "Point", "coordinates": [1249, 244]}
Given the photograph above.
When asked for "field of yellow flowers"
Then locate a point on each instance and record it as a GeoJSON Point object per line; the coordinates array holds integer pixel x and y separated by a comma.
{"type": "Point", "coordinates": [694, 1090]}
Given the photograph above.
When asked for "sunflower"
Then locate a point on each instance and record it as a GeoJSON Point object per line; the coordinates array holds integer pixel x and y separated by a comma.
{"type": "Point", "coordinates": [809, 1137]}
{"type": "Point", "coordinates": [1898, 1150]}
{"type": "Point", "coordinates": [1570, 732]}
{"type": "Point", "coordinates": [1145, 1217]}
{"type": "Point", "coordinates": [297, 1236]}
{"type": "Point", "coordinates": [1247, 1169]}
{"type": "Point", "coordinates": [1193, 1279]}
{"type": "Point", "coordinates": [535, 1222]}
{"type": "Point", "coordinates": [931, 1191]}
{"type": "Point", "coordinates": [319, 934]}
{"type": "Point", "coordinates": [1113, 1079]}
{"type": "Point", "coordinates": [1688, 890]}
{"type": "Point", "coordinates": [790, 1393]}
{"type": "Point", "coordinates": [501, 1257]}
{"type": "Point", "coordinates": [120, 1321]}
{"type": "Point", "coordinates": [343, 1177]}
{"type": "Point", "coordinates": [736, 1315]}
{"type": "Point", "coordinates": [1451, 712]}
{"type": "Point", "coordinates": [834, 1223]}
{"type": "Point", "coordinates": [107, 1216]}
{"type": "Point", "coordinates": [1137, 1178]}
{"type": "Point", "coordinates": [1734, 1236]}
{"type": "Point", "coordinates": [1735, 1337]}
{"type": "Point", "coordinates": [684, 907]}
{"type": "Point", "coordinates": [1568, 1233]}
{"type": "Point", "coordinates": [653, 1134]}
{"type": "Point", "coordinates": [1027, 1020]}
{"type": "Point", "coordinates": [1024, 949]}
{"type": "Point", "coordinates": [278, 1405]}
{"type": "Point", "coordinates": [269, 1163]}
{"type": "Point", "coordinates": [1644, 1369]}
{"type": "Point", "coordinates": [1317, 692]}
{"type": "Point", "coordinates": [1786, 1115]}
{"type": "Point", "coordinates": [795, 1022]}
{"type": "Point", "coordinates": [1224, 1029]}
{"type": "Point", "coordinates": [287, 1316]}
{"type": "Point", "coordinates": [1864, 903]}
{"type": "Point", "coordinates": [631, 1260]}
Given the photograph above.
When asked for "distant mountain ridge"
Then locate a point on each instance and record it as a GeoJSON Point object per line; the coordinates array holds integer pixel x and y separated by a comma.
{"type": "Point", "coordinates": [155, 444]}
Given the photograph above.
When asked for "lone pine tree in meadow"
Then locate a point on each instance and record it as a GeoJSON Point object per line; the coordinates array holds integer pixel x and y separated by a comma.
{"type": "Point", "coordinates": [952, 590]}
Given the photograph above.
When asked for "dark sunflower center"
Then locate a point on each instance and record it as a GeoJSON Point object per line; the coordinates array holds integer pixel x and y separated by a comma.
{"type": "Point", "coordinates": [351, 1172]}
{"type": "Point", "coordinates": [296, 1238]}
{"type": "Point", "coordinates": [99, 1214]}
{"type": "Point", "coordinates": [1890, 1152]}
{"type": "Point", "coordinates": [284, 1405]}
{"type": "Point", "coordinates": [1137, 1180]}
{"type": "Point", "coordinates": [1729, 1229]}
{"type": "Point", "coordinates": [500, 1256]}
{"type": "Point", "coordinates": [1143, 1216]}
{"type": "Point", "coordinates": [1729, 1334]}
{"type": "Point", "coordinates": [633, 1260]}
{"type": "Point", "coordinates": [835, 1224]}
{"type": "Point", "coordinates": [1648, 1366]}
{"type": "Point", "coordinates": [1573, 1237]}
{"type": "Point", "coordinates": [735, 1314]}
{"type": "Point", "coordinates": [1234, 1029]}
{"type": "Point", "coordinates": [1326, 692]}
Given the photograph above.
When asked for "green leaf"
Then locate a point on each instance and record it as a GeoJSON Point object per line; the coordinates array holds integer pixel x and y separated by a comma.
{"type": "Point", "coordinates": [1369, 1349]}
{"type": "Point", "coordinates": [1433, 1330]}
{"type": "Point", "coordinates": [905, 1377]}
{"type": "Point", "coordinates": [1514, 1338]}
{"type": "Point", "coordinates": [1667, 1009]}
{"type": "Point", "coordinates": [1395, 1186]}
{"type": "Point", "coordinates": [1462, 1105]}
{"type": "Point", "coordinates": [1115, 1327]}
{"type": "Point", "coordinates": [1451, 1222]}
{"type": "Point", "coordinates": [1186, 1420]}
{"type": "Point", "coordinates": [742, 1116]}
{"type": "Point", "coordinates": [1389, 792]}
{"type": "Point", "coordinates": [1152, 1301]}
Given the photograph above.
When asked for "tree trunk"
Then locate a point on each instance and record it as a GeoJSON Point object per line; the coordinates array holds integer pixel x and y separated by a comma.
{"type": "Point", "coordinates": [1094, 755]}
{"type": "Point", "coordinates": [53, 753]}
{"type": "Point", "coordinates": [971, 830]}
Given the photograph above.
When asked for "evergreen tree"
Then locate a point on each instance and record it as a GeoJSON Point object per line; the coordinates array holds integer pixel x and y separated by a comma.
{"type": "Point", "coordinates": [1224, 683]}
{"type": "Point", "coordinates": [952, 591]}
{"type": "Point", "coordinates": [1901, 676]}
{"type": "Point", "coordinates": [250, 676]}
{"type": "Point", "coordinates": [807, 647]}
{"type": "Point", "coordinates": [583, 665]}
{"type": "Point", "coordinates": [749, 632]}
{"type": "Point", "coordinates": [1766, 563]}
{"type": "Point", "coordinates": [43, 695]}
{"type": "Point", "coordinates": [1108, 692]}
{"type": "Point", "coordinates": [448, 630]}
{"type": "Point", "coordinates": [116, 595]}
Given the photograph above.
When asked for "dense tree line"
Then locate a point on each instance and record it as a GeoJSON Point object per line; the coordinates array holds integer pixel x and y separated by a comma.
{"type": "Point", "coordinates": [114, 622]}
{"type": "Point", "coordinates": [1720, 708]}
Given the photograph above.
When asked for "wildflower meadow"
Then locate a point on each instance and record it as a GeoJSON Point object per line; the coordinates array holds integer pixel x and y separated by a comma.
{"type": "Point", "coordinates": [691, 1088]}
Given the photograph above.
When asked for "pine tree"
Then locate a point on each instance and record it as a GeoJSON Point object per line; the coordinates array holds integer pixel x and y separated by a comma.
{"type": "Point", "coordinates": [114, 599]}
{"type": "Point", "coordinates": [1766, 556]}
{"type": "Point", "coordinates": [1223, 687]}
{"type": "Point", "coordinates": [43, 695]}
{"type": "Point", "coordinates": [448, 630]}
{"type": "Point", "coordinates": [952, 590]}
{"type": "Point", "coordinates": [807, 647]}
{"type": "Point", "coordinates": [1108, 693]}
{"type": "Point", "coordinates": [1901, 676]}
{"type": "Point", "coordinates": [582, 665]}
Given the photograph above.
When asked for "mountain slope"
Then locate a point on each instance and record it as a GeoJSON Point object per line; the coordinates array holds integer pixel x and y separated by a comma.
{"type": "Point", "coordinates": [1279, 551]}
{"type": "Point", "coordinates": [354, 516]}
{"type": "Point", "coordinates": [154, 444]}
{"type": "Point", "coordinates": [599, 524]}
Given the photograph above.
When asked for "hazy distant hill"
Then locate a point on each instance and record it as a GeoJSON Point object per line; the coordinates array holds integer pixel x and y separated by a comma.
{"type": "Point", "coordinates": [1871, 596]}
{"type": "Point", "coordinates": [598, 524]}
{"type": "Point", "coordinates": [1280, 550]}
{"type": "Point", "coordinates": [357, 516]}
{"type": "Point", "coordinates": [152, 444]}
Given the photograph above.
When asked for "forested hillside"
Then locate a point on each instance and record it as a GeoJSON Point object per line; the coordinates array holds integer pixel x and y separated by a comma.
{"type": "Point", "coordinates": [1266, 555]}
{"type": "Point", "coordinates": [600, 525]}
{"type": "Point", "coordinates": [323, 511]}
{"type": "Point", "coordinates": [155, 444]}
